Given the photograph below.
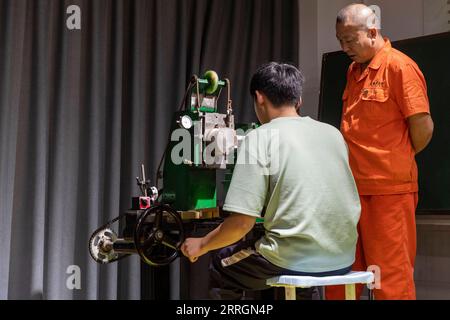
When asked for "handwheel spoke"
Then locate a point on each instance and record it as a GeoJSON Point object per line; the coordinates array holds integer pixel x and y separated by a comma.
{"type": "Point", "coordinates": [149, 241]}
{"type": "Point", "coordinates": [168, 242]}
{"type": "Point", "coordinates": [149, 250]}
{"type": "Point", "coordinates": [158, 219]}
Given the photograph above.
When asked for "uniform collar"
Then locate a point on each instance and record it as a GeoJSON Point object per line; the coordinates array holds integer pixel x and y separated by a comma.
{"type": "Point", "coordinates": [376, 62]}
{"type": "Point", "coordinates": [379, 58]}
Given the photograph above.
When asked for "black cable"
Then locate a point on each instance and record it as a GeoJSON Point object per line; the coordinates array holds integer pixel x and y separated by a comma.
{"type": "Point", "coordinates": [158, 171]}
{"type": "Point", "coordinates": [183, 102]}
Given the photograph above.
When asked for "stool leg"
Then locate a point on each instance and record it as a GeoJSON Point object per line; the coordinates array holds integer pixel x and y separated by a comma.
{"type": "Point", "coordinates": [371, 294]}
{"type": "Point", "coordinates": [350, 292]}
{"type": "Point", "coordinates": [290, 293]}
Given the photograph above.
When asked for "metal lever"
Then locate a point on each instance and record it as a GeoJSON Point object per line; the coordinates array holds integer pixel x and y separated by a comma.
{"type": "Point", "coordinates": [142, 183]}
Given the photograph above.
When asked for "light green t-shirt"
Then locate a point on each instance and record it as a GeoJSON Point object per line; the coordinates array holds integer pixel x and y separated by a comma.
{"type": "Point", "coordinates": [298, 169]}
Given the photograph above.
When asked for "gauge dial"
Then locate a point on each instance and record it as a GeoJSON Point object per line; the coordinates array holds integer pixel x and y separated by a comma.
{"type": "Point", "coordinates": [186, 122]}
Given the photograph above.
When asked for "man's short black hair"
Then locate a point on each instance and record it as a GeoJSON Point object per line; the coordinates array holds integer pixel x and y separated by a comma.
{"type": "Point", "coordinates": [281, 83]}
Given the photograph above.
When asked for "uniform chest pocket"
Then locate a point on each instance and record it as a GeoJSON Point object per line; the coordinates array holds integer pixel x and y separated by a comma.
{"type": "Point", "coordinates": [375, 95]}
{"type": "Point", "coordinates": [373, 101]}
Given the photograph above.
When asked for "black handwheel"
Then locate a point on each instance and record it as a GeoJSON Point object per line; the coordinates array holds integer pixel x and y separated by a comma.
{"type": "Point", "coordinates": [158, 235]}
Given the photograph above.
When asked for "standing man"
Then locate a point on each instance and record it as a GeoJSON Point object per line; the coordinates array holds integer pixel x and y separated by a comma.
{"type": "Point", "coordinates": [386, 121]}
{"type": "Point", "coordinates": [297, 169]}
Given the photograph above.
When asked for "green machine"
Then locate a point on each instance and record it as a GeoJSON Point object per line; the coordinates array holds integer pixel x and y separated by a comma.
{"type": "Point", "coordinates": [202, 141]}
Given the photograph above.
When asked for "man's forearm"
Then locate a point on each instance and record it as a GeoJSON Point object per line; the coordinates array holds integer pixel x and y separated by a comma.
{"type": "Point", "coordinates": [233, 229]}
{"type": "Point", "coordinates": [420, 131]}
{"type": "Point", "coordinates": [420, 142]}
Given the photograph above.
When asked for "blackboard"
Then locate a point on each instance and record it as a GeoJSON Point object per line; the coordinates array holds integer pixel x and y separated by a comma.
{"type": "Point", "coordinates": [432, 54]}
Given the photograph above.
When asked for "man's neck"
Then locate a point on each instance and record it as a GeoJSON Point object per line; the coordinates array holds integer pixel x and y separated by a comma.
{"type": "Point", "coordinates": [378, 47]}
{"type": "Point", "coordinates": [282, 112]}
{"type": "Point", "coordinates": [364, 66]}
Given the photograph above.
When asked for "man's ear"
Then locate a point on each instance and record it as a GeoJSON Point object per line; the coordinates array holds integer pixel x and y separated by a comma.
{"type": "Point", "coordinates": [259, 98]}
{"type": "Point", "coordinates": [373, 33]}
{"type": "Point", "coordinates": [298, 105]}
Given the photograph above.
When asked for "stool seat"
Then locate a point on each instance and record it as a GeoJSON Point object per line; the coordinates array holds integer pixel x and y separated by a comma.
{"type": "Point", "coordinates": [308, 281]}
{"type": "Point", "coordinates": [349, 279]}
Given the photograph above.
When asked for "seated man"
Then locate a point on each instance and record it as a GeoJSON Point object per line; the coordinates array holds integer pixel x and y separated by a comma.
{"type": "Point", "coordinates": [297, 169]}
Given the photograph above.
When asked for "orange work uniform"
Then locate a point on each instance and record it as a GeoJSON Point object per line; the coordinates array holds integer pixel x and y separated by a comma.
{"type": "Point", "coordinates": [376, 104]}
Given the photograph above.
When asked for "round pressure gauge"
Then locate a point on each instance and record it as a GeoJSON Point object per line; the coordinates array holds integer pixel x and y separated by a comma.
{"type": "Point", "coordinates": [186, 122]}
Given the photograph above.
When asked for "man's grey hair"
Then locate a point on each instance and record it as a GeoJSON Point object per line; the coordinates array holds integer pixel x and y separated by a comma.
{"type": "Point", "coordinates": [359, 15]}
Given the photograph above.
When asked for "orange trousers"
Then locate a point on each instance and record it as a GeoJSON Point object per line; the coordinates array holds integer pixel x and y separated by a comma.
{"type": "Point", "coordinates": [387, 246]}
